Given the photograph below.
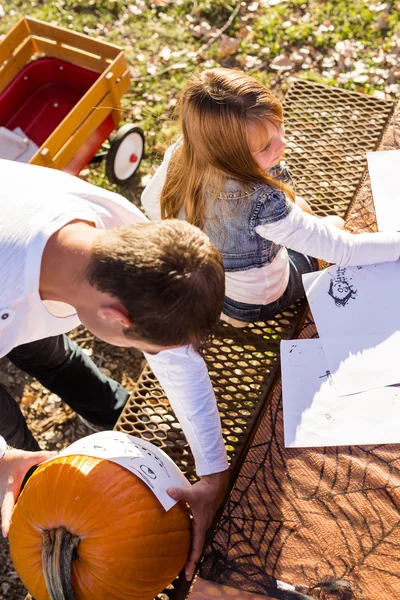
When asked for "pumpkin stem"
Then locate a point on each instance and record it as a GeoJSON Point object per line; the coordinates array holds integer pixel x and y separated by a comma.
{"type": "Point", "coordinates": [59, 546]}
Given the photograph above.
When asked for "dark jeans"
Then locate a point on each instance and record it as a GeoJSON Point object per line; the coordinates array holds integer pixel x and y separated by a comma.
{"type": "Point", "coordinates": [63, 368]}
{"type": "Point", "coordinates": [299, 265]}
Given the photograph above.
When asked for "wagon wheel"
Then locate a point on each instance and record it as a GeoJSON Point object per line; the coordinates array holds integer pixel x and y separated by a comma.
{"type": "Point", "coordinates": [125, 153]}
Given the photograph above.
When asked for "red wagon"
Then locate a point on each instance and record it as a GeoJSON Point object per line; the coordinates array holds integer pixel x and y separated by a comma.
{"type": "Point", "coordinates": [63, 90]}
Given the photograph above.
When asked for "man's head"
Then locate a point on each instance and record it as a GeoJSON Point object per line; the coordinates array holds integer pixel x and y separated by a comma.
{"type": "Point", "coordinates": [161, 285]}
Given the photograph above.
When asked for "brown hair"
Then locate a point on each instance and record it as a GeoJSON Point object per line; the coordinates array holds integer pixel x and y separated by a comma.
{"type": "Point", "coordinates": [215, 110]}
{"type": "Point", "coordinates": [168, 276]}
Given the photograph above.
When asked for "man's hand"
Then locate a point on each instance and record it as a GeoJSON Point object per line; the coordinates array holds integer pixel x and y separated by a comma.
{"type": "Point", "coordinates": [13, 467]}
{"type": "Point", "coordinates": [203, 497]}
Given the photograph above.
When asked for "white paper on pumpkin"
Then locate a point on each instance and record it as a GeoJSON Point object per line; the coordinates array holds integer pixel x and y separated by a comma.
{"type": "Point", "coordinates": [356, 313]}
{"type": "Point", "coordinates": [315, 416]}
{"type": "Point", "coordinates": [384, 168]}
{"type": "Point", "coordinates": [141, 458]}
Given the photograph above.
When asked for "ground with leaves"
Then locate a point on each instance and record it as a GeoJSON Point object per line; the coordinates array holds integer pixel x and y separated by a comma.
{"type": "Point", "coordinates": [354, 44]}
{"type": "Point", "coordinates": [350, 43]}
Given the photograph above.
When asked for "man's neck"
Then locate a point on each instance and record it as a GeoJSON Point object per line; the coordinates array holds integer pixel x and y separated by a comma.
{"type": "Point", "coordinates": [64, 261]}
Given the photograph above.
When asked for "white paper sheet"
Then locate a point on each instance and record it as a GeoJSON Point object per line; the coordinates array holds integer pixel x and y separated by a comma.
{"type": "Point", "coordinates": [315, 416]}
{"type": "Point", "coordinates": [143, 459]}
{"type": "Point", "coordinates": [384, 169]}
{"type": "Point", "coordinates": [356, 311]}
{"type": "Point", "coordinates": [15, 145]}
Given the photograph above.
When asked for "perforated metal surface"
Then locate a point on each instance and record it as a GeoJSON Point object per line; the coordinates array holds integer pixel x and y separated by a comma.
{"type": "Point", "coordinates": [329, 132]}
{"type": "Point", "coordinates": [241, 363]}
{"type": "Point", "coordinates": [301, 514]}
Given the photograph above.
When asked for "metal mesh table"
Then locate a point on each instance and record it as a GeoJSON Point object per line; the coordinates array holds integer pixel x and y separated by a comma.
{"type": "Point", "coordinates": [325, 520]}
{"type": "Point", "coordinates": [328, 130]}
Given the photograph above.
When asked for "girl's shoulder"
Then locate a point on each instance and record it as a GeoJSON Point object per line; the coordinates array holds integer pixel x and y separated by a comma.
{"type": "Point", "coordinates": [235, 189]}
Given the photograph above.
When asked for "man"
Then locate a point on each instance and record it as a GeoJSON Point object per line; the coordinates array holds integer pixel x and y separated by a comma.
{"type": "Point", "coordinates": [72, 253]}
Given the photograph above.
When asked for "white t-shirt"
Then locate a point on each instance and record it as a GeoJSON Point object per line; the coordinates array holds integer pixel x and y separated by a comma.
{"type": "Point", "coordinates": [35, 202]}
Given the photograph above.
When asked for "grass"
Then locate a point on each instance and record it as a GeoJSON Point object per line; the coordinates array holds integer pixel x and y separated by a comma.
{"type": "Point", "coordinates": [165, 36]}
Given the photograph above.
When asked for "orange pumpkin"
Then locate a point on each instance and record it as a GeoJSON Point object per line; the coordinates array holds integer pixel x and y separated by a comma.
{"type": "Point", "coordinates": [99, 530]}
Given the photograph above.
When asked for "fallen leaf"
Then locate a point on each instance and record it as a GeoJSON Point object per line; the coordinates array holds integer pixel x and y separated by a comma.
{"type": "Point", "coordinates": [228, 45]}
{"type": "Point", "coordinates": [282, 63]}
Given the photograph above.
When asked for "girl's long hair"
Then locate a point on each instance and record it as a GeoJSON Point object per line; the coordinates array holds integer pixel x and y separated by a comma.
{"type": "Point", "coordinates": [216, 108]}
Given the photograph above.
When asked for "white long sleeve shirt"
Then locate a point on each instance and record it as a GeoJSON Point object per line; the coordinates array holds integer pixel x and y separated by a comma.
{"type": "Point", "coordinates": [35, 202]}
{"type": "Point", "coordinates": [298, 231]}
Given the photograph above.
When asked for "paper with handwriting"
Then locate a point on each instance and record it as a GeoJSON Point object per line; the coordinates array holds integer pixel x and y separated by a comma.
{"type": "Point", "coordinates": [384, 168]}
{"type": "Point", "coordinates": [141, 458]}
{"type": "Point", "coordinates": [315, 416]}
{"type": "Point", "coordinates": [356, 311]}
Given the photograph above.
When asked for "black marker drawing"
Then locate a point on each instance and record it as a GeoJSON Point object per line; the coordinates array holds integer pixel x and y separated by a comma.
{"type": "Point", "coordinates": [116, 439]}
{"type": "Point", "coordinates": [340, 288]}
{"type": "Point", "coordinates": [143, 477]}
{"type": "Point", "coordinates": [89, 447]}
{"type": "Point", "coordinates": [155, 457]}
{"type": "Point", "coordinates": [133, 449]}
{"type": "Point", "coordinates": [327, 375]}
{"type": "Point", "coordinates": [147, 471]}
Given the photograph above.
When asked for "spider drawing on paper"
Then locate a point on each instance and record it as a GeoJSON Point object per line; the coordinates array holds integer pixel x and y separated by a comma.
{"type": "Point", "coordinates": [340, 288]}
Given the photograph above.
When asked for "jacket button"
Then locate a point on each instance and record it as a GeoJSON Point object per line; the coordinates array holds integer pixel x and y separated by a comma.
{"type": "Point", "coordinates": [4, 316]}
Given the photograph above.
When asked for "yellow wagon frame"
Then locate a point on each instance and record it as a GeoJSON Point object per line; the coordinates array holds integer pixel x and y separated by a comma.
{"type": "Point", "coordinates": [31, 38]}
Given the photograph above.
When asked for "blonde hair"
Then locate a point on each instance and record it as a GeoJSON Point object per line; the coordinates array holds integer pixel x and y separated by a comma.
{"type": "Point", "coordinates": [216, 108]}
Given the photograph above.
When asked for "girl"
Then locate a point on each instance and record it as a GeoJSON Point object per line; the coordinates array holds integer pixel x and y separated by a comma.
{"type": "Point", "coordinates": [223, 175]}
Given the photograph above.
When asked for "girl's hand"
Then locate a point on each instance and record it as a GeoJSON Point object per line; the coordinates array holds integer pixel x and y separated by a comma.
{"type": "Point", "coordinates": [13, 468]}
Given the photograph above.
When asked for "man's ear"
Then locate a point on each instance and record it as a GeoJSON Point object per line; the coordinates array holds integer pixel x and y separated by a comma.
{"type": "Point", "coordinates": [110, 313]}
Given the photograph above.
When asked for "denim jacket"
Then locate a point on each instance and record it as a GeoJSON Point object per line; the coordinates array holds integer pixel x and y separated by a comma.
{"type": "Point", "coordinates": [231, 226]}
{"type": "Point", "coordinates": [235, 214]}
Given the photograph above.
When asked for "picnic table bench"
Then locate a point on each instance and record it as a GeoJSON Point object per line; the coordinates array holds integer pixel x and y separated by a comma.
{"type": "Point", "coordinates": [329, 132]}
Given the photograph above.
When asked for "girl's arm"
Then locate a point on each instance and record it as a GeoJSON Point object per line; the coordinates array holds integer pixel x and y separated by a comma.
{"type": "Point", "coordinates": [152, 193]}
{"type": "Point", "coordinates": [311, 235]}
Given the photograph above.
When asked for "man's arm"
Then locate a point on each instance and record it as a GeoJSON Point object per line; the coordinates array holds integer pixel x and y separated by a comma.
{"type": "Point", "coordinates": [204, 497]}
{"type": "Point", "coordinates": [183, 374]}
{"type": "Point", "coordinates": [14, 464]}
